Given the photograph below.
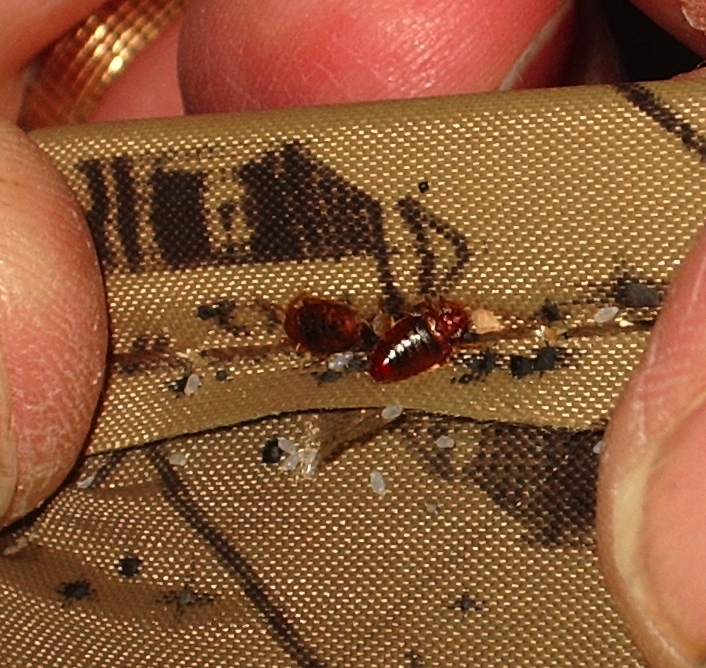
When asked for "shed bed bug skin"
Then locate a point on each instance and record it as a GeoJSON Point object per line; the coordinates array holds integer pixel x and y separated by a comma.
{"type": "Point", "coordinates": [421, 340]}
{"type": "Point", "coordinates": [322, 326]}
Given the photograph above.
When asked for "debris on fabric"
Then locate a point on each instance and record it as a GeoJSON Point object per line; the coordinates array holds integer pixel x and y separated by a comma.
{"type": "Point", "coordinates": [392, 412]}
{"type": "Point", "coordinates": [87, 482]}
{"type": "Point", "coordinates": [178, 459]}
{"type": "Point", "coordinates": [340, 361]}
{"type": "Point", "coordinates": [605, 315]}
{"type": "Point", "coordinates": [485, 321]}
{"type": "Point", "coordinates": [445, 442]}
{"type": "Point", "coordinates": [377, 482]}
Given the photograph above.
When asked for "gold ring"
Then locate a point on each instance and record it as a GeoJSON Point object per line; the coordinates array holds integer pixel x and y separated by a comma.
{"type": "Point", "coordinates": [79, 68]}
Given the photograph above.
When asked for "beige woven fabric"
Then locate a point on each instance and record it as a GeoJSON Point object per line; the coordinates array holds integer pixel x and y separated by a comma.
{"type": "Point", "coordinates": [175, 545]}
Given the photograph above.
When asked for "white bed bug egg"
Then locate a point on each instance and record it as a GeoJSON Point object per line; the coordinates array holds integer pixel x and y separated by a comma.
{"type": "Point", "coordinates": [86, 482]}
{"type": "Point", "coordinates": [377, 482]}
{"type": "Point", "coordinates": [445, 442]}
{"type": "Point", "coordinates": [598, 447]}
{"type": "Point", "coordinates": [605, 315]}
{"type": "Point", "coordinates": [193, 383]}
{"type": "Point", "coordinates": [178, 459]}
{"type": "Point", "coordinates": [340, 361]}
{"type": "Point", "coordinates": [285, 445]}
{"type": "Point", "coordinates": [392, 412]}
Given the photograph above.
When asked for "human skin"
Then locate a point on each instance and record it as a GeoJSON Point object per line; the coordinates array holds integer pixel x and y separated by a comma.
{"type": "Point", "coordinates": [52, 344]}
{"type": "Point", "coordinates": [273, 53]}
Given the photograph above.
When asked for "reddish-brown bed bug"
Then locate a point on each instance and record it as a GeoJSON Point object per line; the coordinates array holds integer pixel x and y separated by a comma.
{"type": "Point", "coordinates": [322, 326]}
{"type": "Point", "coordinates": [422, 339]}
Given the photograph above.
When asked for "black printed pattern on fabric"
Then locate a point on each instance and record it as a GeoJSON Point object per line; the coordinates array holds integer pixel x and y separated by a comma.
{"type": "Point", "coordinates": [545, 478]}
{"type": "Point", "coordinates": [300, 209]}
{"type": "Point", "coordinates": [673, 122]}
{"type": "Point", "coordinates": [419, 220]}
{"type": "Point", "coordinates": [178, 494]}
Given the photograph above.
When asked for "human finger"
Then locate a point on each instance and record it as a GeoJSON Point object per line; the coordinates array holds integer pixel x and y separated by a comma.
{"type": "Point", "coordinates": [685, 19]}
{"type": "Point", "coordinates": [26, 28]}
{"type": "Point", "coordinates": [254, 54]}
{"type": "Point", "coordinates": [53, 329]}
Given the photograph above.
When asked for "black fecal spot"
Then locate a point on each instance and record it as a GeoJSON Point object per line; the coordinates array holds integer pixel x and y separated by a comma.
{"type": "Point", "coordinates": [185, 598]}
{"type": "Point", "coordinates": [521, 366]}
{"type": "Point", "coordinates": [466, 378]}
{"type": "Point", "coordinates": [75, 591]}
{"type": "Point", "coordinates": [221, 374]}
{"type": "Point", "coordinates": [328, 376]}
{"type": "Point", "coordinates": [549, 312]}
{"type": "Point", "coordinates": [358, 363]}
{"type": "Point", "coordinates": [546, 359]}
{"type": "Point", "coordinates": [483, 363]}
{"type": "Point", "coordinates": [223, 309]}
{"type": "Point", "coordinates": [129, 566]}
{"type": "Point", "coordinates": [423, 186]}
{"type": "Point", "coordinates": [469, 337]}
{"type": "Point", "coordinates": [466, 603]}
{"type": "Point", "coordinates": [632, 294]}
{"type": "Point", "coordinates": [206, 312]}
{"type": "Point", "coordinates": [179, 385]}
{"type": "Point", "coordinates": [271, 452]}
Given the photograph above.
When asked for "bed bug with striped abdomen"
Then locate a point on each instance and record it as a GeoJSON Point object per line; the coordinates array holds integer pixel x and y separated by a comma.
{"type": "Point", "coordinates": [423, 338]}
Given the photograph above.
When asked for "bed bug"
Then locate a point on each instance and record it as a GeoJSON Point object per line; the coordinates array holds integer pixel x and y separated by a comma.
{"type": "Point", "coordinates": [420, 340]}
{"type": "Point", "coordinates": [322, 326]}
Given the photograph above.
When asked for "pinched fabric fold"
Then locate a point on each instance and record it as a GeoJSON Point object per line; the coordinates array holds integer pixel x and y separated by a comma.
{"type": "Point", "coordinates": [451, 521]}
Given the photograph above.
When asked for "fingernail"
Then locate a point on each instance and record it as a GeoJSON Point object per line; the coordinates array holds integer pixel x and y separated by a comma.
{"type": "Point", "coordinates": [695, 13]}
{"type": "Point", "coordinates": [651, 513]}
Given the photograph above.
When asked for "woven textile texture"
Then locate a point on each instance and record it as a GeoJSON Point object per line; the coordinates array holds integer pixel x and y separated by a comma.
{"type": "Point", "coordinates": [457, 533]}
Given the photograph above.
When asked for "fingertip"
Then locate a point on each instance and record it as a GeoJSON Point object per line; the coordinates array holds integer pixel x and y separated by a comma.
{"type": "Point", "coordinates": [53, 332]}
{"type": "Point", "coordinates": [252, 55]}
{"type": "Point", "coordinates": [685, 19]}
{"type": "Point", "coordinates": [651, 504]}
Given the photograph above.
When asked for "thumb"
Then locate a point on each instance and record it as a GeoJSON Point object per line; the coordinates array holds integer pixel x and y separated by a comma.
{"type": "Point", "coordinates": [652, 491]}
{"type": "Point", "coordinates": [53, 330]}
